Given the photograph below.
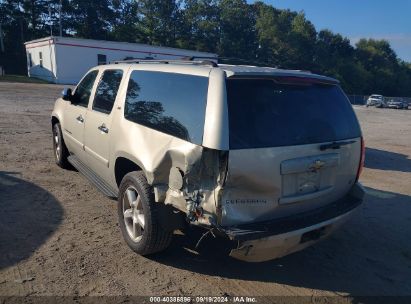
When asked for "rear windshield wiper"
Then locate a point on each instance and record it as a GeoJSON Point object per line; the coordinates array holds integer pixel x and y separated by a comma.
{"type": "Point", "coordinates": [336, 145]}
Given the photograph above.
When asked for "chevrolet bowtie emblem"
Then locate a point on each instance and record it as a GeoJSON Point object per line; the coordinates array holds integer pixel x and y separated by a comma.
{"type": "Point", "coordinates": [317, 165]}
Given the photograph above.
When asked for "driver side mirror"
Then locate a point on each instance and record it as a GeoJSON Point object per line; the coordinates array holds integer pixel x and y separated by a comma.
{"type": "Point", "coordinates": [66, 94]}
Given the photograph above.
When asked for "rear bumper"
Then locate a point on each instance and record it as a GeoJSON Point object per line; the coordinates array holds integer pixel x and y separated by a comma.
{"type": "Point", "coordinates": [273, 239]}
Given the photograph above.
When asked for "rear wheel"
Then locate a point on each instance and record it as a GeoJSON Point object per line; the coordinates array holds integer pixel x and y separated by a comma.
{"type": "Point", "coordinates": [139, 216]}
{"type": "Point", "coordinates": [59, 147]}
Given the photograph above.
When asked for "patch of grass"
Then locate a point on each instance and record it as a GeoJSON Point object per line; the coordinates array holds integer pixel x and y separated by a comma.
{"type": "Point", "coordinates": [21, 78]}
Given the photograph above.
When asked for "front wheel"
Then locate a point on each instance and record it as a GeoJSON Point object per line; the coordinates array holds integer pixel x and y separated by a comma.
{"type": "Point", "coordinates": [139, 216]}
{"type": "Point", "coordinates": [59, 147]}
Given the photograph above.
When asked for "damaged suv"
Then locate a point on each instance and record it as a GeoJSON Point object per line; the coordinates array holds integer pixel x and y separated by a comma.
{"type": "Point", "coordinates": [265, 157]}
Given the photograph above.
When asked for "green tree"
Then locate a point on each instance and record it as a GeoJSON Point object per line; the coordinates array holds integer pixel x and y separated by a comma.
{"type": "Point", "coordinates": [200, 28]}
{"type": "Point", "coordinates": [255, 33]}
{"type": "Point", "coordinates": [380, 60]}
{"type": "Point", "coordinates": [21, 21]}
{"type": "Point", "coordinates": [334, 56]}
{"type": "Point", "coordinates": [299, 48]}
{"type": "Point", "coordinates": [237, 33]}
{"type": "Point", "coordinates": [126, 26]}
{"type": "Point", "coordinates": [268, 36]}
{"type": "Point", "coordinates": [160, 21]}
{"type": "Point", "coordinates": [90, 19]}
{"type": "Point", "coordinates": [285, 39]}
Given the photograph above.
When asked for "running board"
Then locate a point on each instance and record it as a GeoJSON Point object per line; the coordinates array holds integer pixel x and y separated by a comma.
{"type": "Point", "coordinates": [92, 177]}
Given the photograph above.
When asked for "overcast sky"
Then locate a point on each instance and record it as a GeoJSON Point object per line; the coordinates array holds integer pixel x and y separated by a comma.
{"type": "Point", "coordinates": [355, 19]}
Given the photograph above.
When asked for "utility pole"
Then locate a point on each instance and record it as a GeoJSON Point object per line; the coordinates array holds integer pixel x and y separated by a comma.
{"type": "Point", "coordinates": [60, 27]}
{"type": "Point", "coordinates": [51, 22]}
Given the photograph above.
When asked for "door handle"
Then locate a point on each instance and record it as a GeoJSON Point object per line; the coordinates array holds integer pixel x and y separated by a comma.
{"type": "Point", "coordinates": [80, 119]}
{"type": "Point", "coordinates": [103, 128]}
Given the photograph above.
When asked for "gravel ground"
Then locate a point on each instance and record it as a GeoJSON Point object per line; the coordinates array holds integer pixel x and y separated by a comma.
{"type": "Point", "coordinates": [59, 235]}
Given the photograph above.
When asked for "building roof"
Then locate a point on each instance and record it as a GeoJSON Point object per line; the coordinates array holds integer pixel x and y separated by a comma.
{"type": "Point", "coordinates": [39, 40]}
{"type": "Point", "coordinates": [125, 45]}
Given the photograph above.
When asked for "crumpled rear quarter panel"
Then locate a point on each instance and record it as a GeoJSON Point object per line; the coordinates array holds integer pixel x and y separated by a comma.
{"type": "Point", "coordinates": [176, 168]}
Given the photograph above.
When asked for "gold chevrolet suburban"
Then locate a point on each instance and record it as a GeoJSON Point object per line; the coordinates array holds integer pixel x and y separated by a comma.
{"type": "Point", "coordinates": [267, 158]}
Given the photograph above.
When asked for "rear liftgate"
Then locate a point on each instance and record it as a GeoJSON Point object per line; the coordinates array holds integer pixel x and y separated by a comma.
{"type": "Point", "coordinates": [298, 154]}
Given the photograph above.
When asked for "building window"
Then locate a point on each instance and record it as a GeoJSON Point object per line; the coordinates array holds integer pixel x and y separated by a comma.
{"type": "Point", "coordinates": [101, 59]}
{"type": "Point", "coordinates": [41, 59]}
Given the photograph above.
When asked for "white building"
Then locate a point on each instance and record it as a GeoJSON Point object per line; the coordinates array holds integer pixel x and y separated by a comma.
{"type": "Point", "coordinates": [65, 60]}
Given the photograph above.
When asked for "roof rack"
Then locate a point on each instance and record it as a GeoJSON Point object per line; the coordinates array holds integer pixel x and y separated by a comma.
{"type": "Point", "coordinates": [185, 60]}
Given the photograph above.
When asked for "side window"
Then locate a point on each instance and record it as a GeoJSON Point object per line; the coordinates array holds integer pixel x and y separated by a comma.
{"type": "Point", "coordinates": [106, 91]}
{"type": "Point", "coordinates": [41, 59]}
{"type": "Point", "coordinates": [168, 102]}
{"type": "Point", "coordinates": [83, 90]}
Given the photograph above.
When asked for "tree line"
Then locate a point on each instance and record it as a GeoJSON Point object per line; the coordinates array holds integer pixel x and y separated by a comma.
{"type": "Point", "coordinates": [240, 33]}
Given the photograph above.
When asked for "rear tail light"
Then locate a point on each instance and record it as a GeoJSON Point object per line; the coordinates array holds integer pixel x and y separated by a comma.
{"type": "Point", "coordinates": [362, 159]}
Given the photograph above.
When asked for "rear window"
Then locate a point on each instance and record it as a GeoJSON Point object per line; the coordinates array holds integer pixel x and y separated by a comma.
{"type": "Point", "coordinates": [168, 102]}
{"type": "Point", "coordinates": [268, 113]}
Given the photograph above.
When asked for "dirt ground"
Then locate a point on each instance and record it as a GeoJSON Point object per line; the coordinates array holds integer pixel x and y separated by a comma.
{"type": "Point", "coordinates": [59, 235]}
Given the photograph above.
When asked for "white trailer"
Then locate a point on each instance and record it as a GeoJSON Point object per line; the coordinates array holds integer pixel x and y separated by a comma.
{"type": "Point", "coordinates": [65, 60]}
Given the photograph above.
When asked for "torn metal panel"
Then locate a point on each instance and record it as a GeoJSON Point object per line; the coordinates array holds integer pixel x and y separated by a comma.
{"type": "Point", "coordinates": [183, 174]}
{"type": "Point", "coordinates": [188, 178]}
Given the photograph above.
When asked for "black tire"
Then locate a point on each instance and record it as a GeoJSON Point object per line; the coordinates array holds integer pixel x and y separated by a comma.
{"type": "Point", "coordinates": [153, 237]}
{"type": "Point", "coordinates": [59, 148]}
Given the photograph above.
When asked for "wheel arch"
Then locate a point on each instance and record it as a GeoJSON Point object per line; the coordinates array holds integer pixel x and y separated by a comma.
{"type": "Point", "coordinates": [124, 165]}
{"type": "Point", "coordinates": [54, 120]}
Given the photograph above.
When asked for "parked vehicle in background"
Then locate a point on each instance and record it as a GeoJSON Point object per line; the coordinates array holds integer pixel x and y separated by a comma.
{"type": "Point", "coordinates": [376, 101]}
{"type": "Point", "coordinates": [267, 158]}
{"type": "Point", "coordinates": [397, 104]}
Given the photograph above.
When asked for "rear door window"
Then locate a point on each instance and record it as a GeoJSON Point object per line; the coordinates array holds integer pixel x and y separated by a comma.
{"type": "Point", "coordinates": [271, 113]}
{"type": "Point", "coordinates": [106, 91]}
{"type": "Point", "coordinates": [168, 102]}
